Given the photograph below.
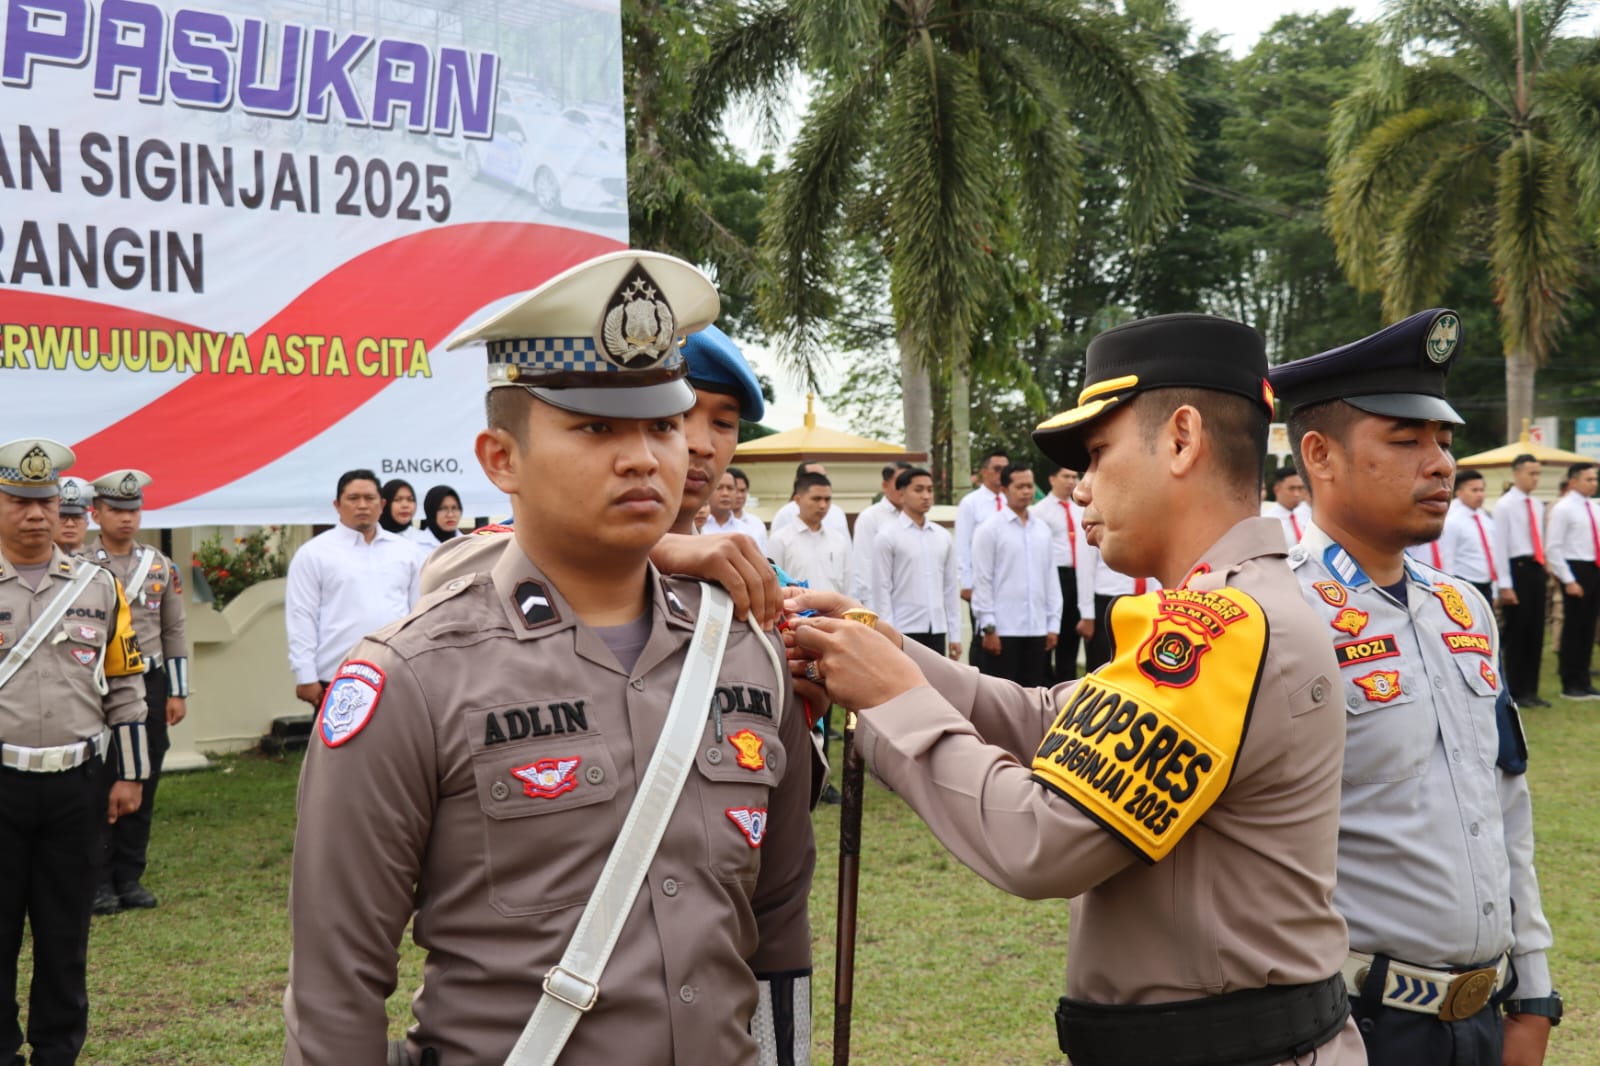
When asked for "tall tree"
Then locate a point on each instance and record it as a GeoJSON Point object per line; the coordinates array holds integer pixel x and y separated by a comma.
{"type": "Point", "coordinates": [1475, 133]}
{"type": "Point", "coordinates": [945, 132]}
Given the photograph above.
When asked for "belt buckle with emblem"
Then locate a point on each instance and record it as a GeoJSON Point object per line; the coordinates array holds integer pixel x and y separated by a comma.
{"type": "Point", "coordinates": [1468, 994]}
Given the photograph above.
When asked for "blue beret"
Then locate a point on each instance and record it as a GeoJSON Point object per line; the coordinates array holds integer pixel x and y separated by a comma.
{"type": "Point", "coordinates": [1398, 372]}
{"type": "Point", "coordinates": [717, 365]}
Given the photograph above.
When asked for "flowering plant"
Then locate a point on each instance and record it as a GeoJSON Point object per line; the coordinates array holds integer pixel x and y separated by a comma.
{"type": "Point", "coordinates": [258, 556]}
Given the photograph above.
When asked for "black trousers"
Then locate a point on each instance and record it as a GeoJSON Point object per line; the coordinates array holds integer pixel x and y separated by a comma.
{"type": "Point", "coordinates": [1405, 1038]}
{"type": "Point", "coordinates": [1486, 590]}
{"type": "Point", "coordinates": [1097, 652]}
{"type": "Point", "coordinates": [934, 641]}
{"type": "Point", "coordinates": [1021, 659]}
{"type": "Point", "coordinates": [49, 828]}
{"type": "Point", "coordinates": [1575, 651]}
{"type": "Point", "coordinates": [125, 844]}
{"type": "Point", "coordinates": [1523, 635]}
{"type": "Point", "coordinates": [1064, 666]}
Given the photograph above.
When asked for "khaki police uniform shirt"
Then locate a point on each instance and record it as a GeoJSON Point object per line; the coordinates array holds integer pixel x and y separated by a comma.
{"type": "Point", "coordinates": [157, 605]}
{"type": "Point", "coordinates": [1435, 842]}
{"type": "Point", "coordinates": [1244, 898]}
{"type": "Point", "coordinates": [484, 794]}
{"type": "Point", "coordinates": [55, 698]}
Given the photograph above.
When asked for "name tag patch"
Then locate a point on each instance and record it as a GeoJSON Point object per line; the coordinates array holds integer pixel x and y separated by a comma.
{"type": "Point", "coordinates": [536, 720]}
{"type": "Point", "coordinates": [1460, 643]}
{"type": "Point", "coordinates": [732, 699]}
{"type": "Point", "coordinates": [1350, 621]}
{"type": "Point", "coordinates": [1455, 604]}
{"type": "Point", "coordinates": [1380, 686]}
{"type": "Point", "coordinates": [548, 778]}
{"type": "Point", "coordinates": [1362, 651]}
{"type": "Point", "coordinates": [752, 822]}
{"type": "Point", "coordinates": [1148, 742]}
{"type": "Point", "coordinates": [348, 704]}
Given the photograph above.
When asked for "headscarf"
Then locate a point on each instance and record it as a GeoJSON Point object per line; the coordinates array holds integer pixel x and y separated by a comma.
{"type": "Point", "coordinates": [386, 520]}
{"type": "Point", "coordinates": [430, 509]}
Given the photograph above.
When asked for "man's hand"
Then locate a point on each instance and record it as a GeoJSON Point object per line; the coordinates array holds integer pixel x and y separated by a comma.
{"type": "Point", "coordinates": [1574, 589]}
{"type": "Point", "coordinates": [858, 665]}
{"type": "Point", "coordinates": [311, 693]}
{"type": "Point", "coordinates": [831, 604]}
{"type": "Point", "coordinates": [125, 799]}
{"type": "Point", "coordinates": [731, 560]}
{"type": "Point", "coordinates": [955, 650]}
{"type": "Point", "coordinates": [966, 594]}
{"type": "Point", "coordinates": [177, 710]}
{"type": "Point", "coordinates": [1508, 598]}
{"type": "Point", "coordinates": [1085, 628]}
{"type": "Point", "coordinates": [1050, 641]}
{"type": "Point", "coordinates": [1527, 1036]}
{"type": "Point", "coordinates": [991, 643]}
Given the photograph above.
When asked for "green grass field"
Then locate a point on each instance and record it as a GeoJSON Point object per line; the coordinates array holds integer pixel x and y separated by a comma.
{"type": "Point", "coordinates": [949, 970]}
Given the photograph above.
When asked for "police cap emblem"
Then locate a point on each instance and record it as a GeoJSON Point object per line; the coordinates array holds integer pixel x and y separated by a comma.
{"type": "Point", "coordinates": [36, 465]}
{"type": "Point", "coordinates": [1443, 337]}
{"type": "Point", "coordinates": [638, 328]}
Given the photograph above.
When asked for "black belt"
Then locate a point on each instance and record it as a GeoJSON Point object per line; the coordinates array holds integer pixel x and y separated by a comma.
{"type": "Point", "coordinates": [1256, 1027]}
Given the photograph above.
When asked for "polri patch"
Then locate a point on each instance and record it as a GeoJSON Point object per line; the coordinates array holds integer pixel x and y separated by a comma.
{"type": "Point", "coordinates": [1461, 643]}
{"type": "Point", "coordinates": [548, 778]}
{"type": "Point", "coordinates": [748, 745]}
{"type": "Point", "coordinates": [1364, 651]}
{"type": "Point", "coordinates": [532, 601]}
{"type": "Point", "coordinates": [752, 822]}
{"type": "Point", "coordinates": [1333, 594]}
{"type": "Point", "coordinates": [1351, 621]}
{"type": "Point", "coordinates": [1455, 604]}
{"type": "Point", "coordinates": [1380, 686]}
{"type": "Point", "coordinates": [351, 698]}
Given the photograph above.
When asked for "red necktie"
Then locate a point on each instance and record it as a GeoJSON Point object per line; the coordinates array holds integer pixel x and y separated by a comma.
{"type": "Point", "coordinates": [1072, 533]}
{"type": "Point", "coordinates": [1138, 586]}
{"type": "Point", "coordinates": [1533, 531]}
{"type": "Point", "coordinates": [1594, 531]}
{"type": "Point", "coordinates": [997, 501]}
{"type": "Point", "coordinates": [1294, 524]}
{"type": "Point", "coordinates": [1438, 563]}
{"type": "Point", "coordinates": [1477, 520]}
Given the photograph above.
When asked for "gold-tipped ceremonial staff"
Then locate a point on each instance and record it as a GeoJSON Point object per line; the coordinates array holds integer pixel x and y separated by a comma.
{"type": "Point", "coordinates": [851, 780]}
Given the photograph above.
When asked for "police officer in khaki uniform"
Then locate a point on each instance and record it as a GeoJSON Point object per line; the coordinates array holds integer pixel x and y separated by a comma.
{"type": "Point", "coordinates": [154, 590]}
{"type": "Point", "coordinates": [70, 677]}
{"type": "Point", "coordinates": [473, 763]}
{"type": "Point", "coordinates": [72, 525]}
{"type": "Point", "coordinates": [1184, 796]}
{"type": "Point", "coordinates": [1436, 875]}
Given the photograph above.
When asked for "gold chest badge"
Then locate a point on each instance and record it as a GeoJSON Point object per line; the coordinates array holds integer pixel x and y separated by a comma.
{"type": "Point", "coordinates": [1455, 605]}
{"type": "Point", "coordinates": [748, 745]}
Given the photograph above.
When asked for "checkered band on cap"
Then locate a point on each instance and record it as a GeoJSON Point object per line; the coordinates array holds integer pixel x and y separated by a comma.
{"type": "Point", "coordinates": [532, 357]}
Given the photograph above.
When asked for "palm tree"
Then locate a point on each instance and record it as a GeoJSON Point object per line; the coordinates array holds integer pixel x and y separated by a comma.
{"type": "Point", "coordinates": [948, 133]}
{"type": "Point", "coordinates": [1474, 133]}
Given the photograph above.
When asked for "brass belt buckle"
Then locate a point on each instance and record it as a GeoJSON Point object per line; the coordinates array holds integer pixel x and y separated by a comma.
{"type": "Point", "coordinates": [1468, 994]}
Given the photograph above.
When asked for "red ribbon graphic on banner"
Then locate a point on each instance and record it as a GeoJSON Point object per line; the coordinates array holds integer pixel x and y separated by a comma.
{"type": "Point", "coordinates": [416, 286]}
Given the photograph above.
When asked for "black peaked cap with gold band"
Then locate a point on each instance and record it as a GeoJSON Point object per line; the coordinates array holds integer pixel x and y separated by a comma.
{"type": "Point", "coordinates": [31, 467]}
{"type": "Point", "coordinates": [604, 337]}
{"type": "Point", "coordinates": [1398, 372]}
{"type": "Point", "coordinates": [1183, 351]}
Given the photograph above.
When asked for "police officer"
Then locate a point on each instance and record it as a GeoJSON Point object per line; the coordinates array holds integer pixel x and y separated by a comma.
{"type": "Point", "coordinates": [1185, 796]}
{"type": "Point", "coordinates": [70, 676]}
{"type": "Point", "coordinates": [73, 525]}
{"type": "Point", "coordinates": [154, 589]}
{"type": "Point", "coordinates": [474, 762]}
{"type": "Point", "coordinates": [1436, 873]}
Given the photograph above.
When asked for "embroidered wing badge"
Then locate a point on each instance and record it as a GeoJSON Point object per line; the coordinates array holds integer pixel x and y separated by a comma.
{"type": "Point", "coordinates": [752, 822]}
{"type": "Point", "coordinates": [548, 778]}
{"type": "Point", "coordinates": [1380, 686]}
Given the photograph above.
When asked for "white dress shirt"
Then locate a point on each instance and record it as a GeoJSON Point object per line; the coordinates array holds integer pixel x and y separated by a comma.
{"type": "Point", "coordinates": [1511, 522]}
{"type": "Point", "coordinates": [341, 588]}
{"type": "Point", "coordinates": [1431, 553]}
{"type": "Point", "coordinates": [1095, 578]}
{"type": "Point", "coordinates": [1014, 583]}
{"type": "Point", "coordinates": [975, 508]}
{"type": "Point", "coordinates": [1466, 531]}
{"type": "Point", "coordinates": [1294, 523]}
{"type": "Point", "coordinates": [789, 515]}
{"type": "Point", "coordinates": [1064, 517]}
{"type": "Point", "coordinates": [914, 577]}
{"type": "Point", "coordinates": [734, 524]}
{"type": "Point", "coordinates": [1570, 536]}
{"type": "Point", "coordinates": [756, 528]}
{"type": "Point", "coordinates": [821, 557]}
{"type": "Point", "coordinates": [862, 552]}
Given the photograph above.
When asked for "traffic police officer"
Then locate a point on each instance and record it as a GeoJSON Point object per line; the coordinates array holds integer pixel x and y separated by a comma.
{"type": "Point", "coordinates": [154, 589]}
{"type": "Point", "coordinates": [474, 762]}
{"type": "Point", "coordinates": [73, 505]}
{"type": "Point", "coordinates": [1184, 796]}
{"type": "Point", "coordinates": [70, 674]}
{"type": "Point", "coordinates": [1436, 873]}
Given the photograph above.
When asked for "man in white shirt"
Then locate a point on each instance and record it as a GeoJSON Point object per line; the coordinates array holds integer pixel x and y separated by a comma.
{"type": "Point", "coordinates": [1098, 585]}
{"type": "Point", "coordinates": [1016, 599]}
{"type": "Point", "coordinates": [344, 584]}
{"type": "Point", "coordinates": [789, 513]}
{"type": "Point", "coordinates": [750, 523]}
{"type": "Point", "coordinates": [976, 508]}
{"type": "Point", "coordinates": [915, 584]}
{"type": "Point", "coordinates": [810, 550]}
{"type": "Point", "coordinates": [1470, 548]}
{"type": "Point", "coordinates": [720, 518]}
{"type": "Point", "coordinates": [864, 541]}
{"type": "Point", "coordinates": [1064, 516]}
{"type": "Point", "coordinates": [1519, 521]}
{"type": "Point", "coordinates": [1572, 544]}
{"type": "Point", "coordinates": [1288, 504]}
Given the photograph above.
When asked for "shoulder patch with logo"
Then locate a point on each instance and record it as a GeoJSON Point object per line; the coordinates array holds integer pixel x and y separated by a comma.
{"type": "Point", "coordinates": [1350, 621]}
{"type": "Point", "coordinates": [748, 745]}
{"type": "Point", "coordinates": [752, 822]}
{"type": "Point", "coordinates": [86, 656]}
{"type": "Point", "coordinates": [533, 603]}
{"type": "Point", "coordinates": [1380, 686]}
{"type": "Point", "coordinates": [1332, 593]}
{"type": "Point", "coordinates": [1455, 604]}
{"type": "Point", "coordinates": [348, 704]}
{"type": "Point", "coordinates": [548, 778]}
{"type": "Point", "coordinates": [1363, 651]}
{"type": "Point", "coordinates": [1149, 741]}
{"type": "Point", "coordinates": [1459, 643]}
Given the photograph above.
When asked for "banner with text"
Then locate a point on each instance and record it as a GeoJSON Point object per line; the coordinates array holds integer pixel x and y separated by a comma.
{"type": "Point", "coordinates": [235, 236]}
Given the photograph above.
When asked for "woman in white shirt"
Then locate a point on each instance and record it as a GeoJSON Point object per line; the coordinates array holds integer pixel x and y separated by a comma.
{"type": "Point", "coordinates": [441, 510]}
{"type": "Point", "coordinates": [399, 506]}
